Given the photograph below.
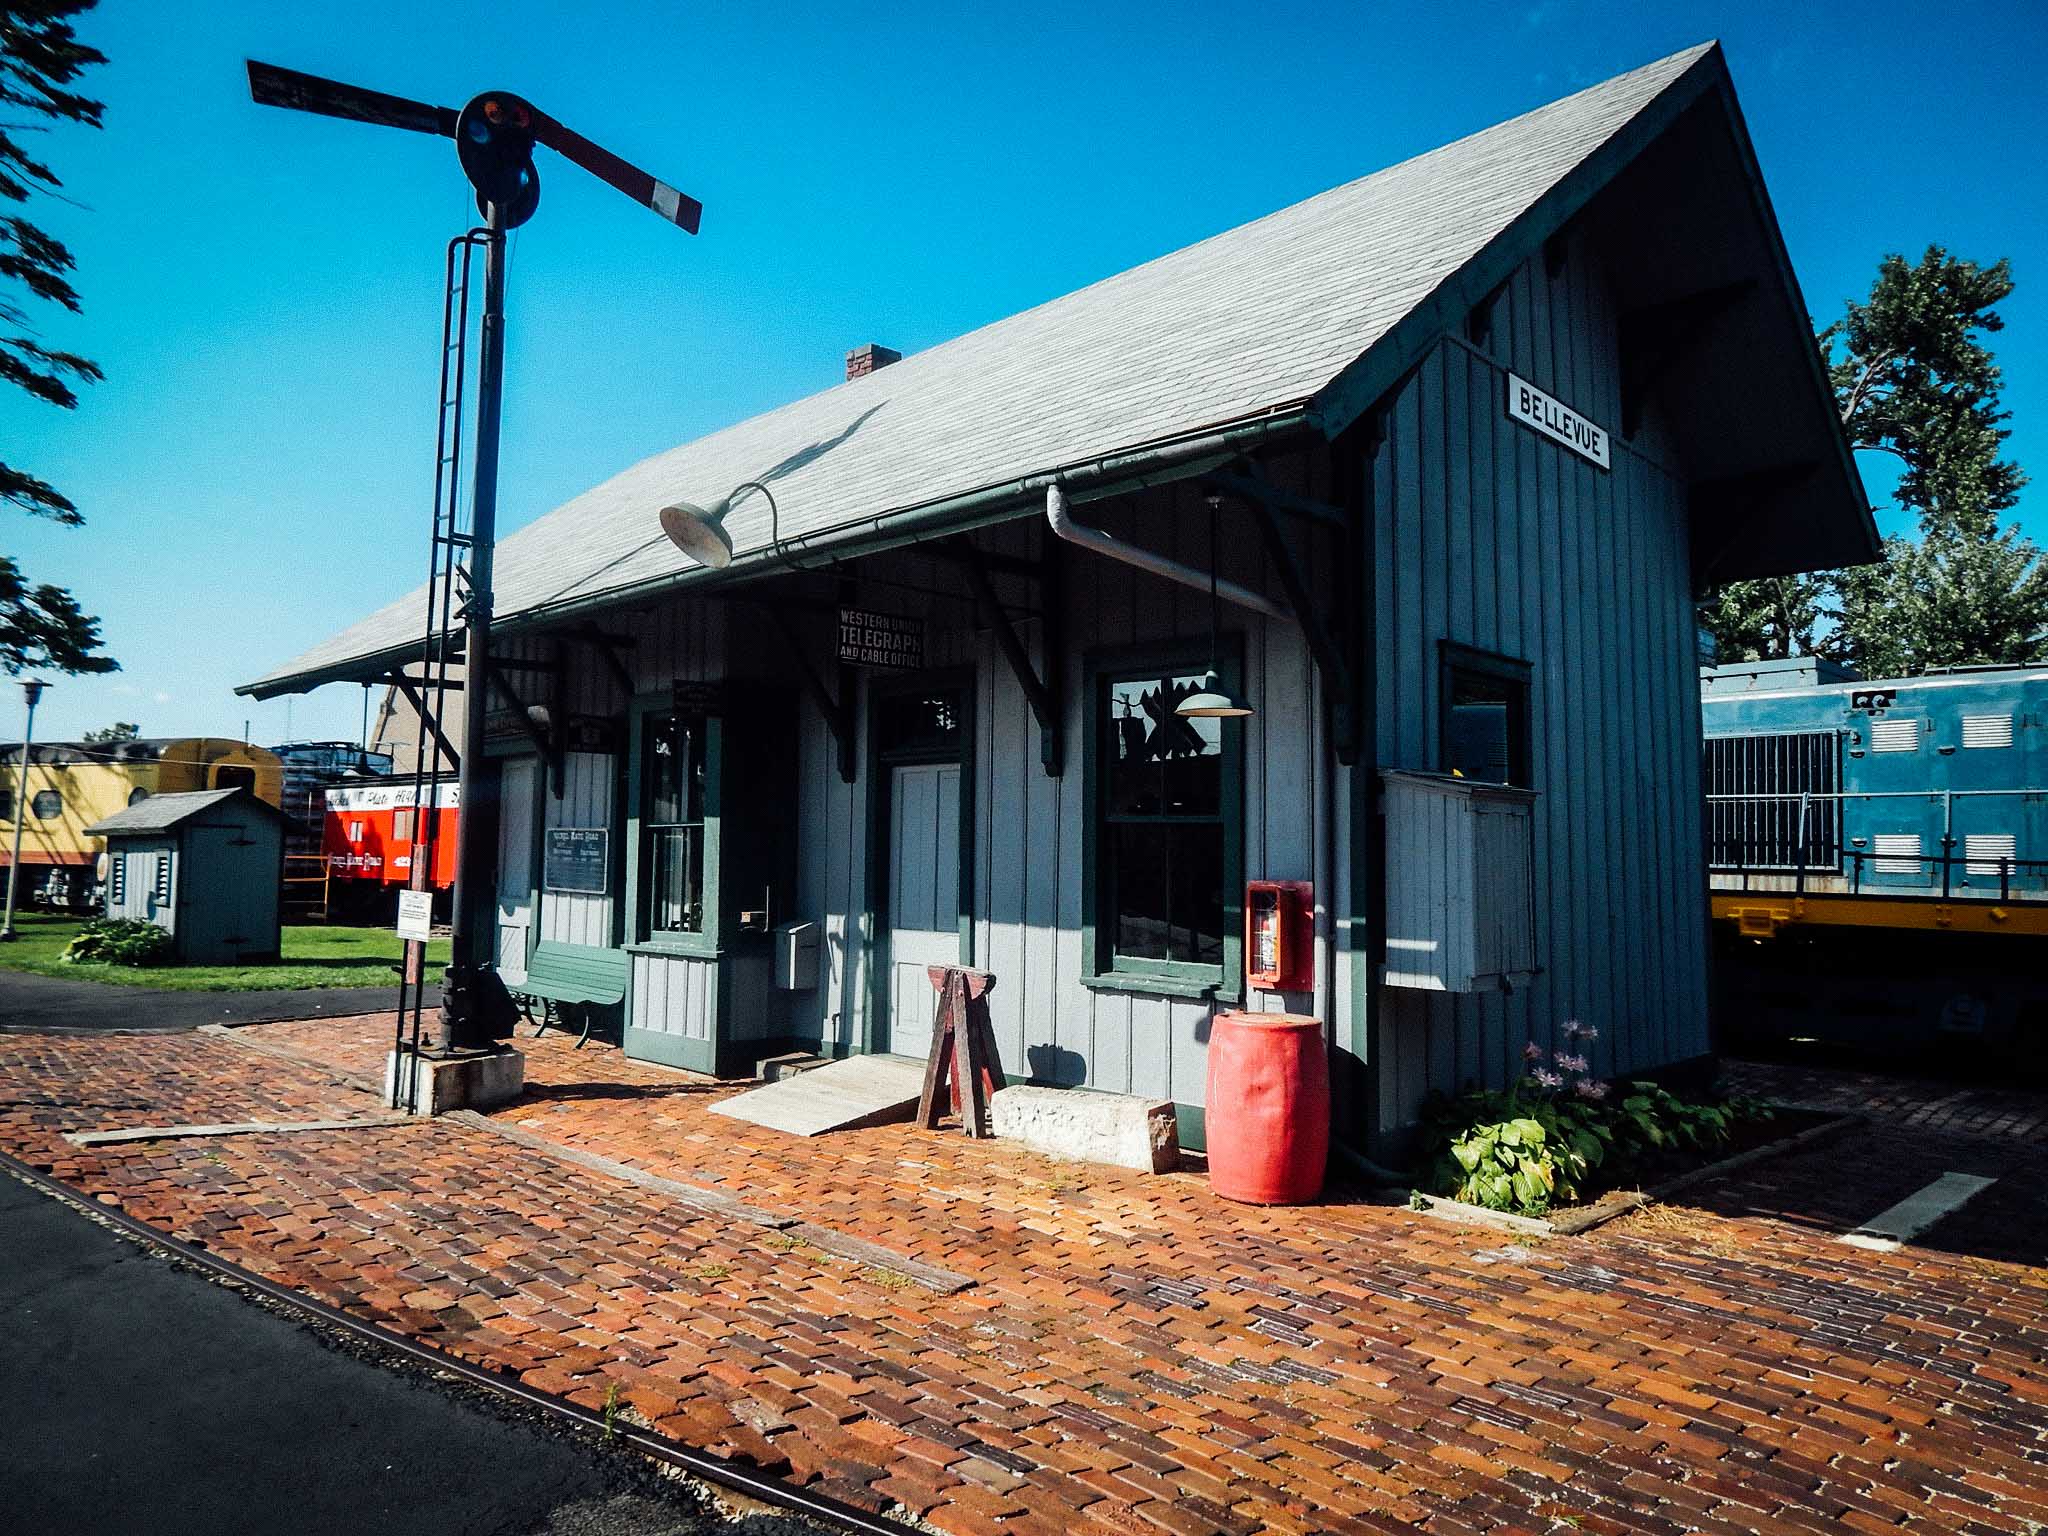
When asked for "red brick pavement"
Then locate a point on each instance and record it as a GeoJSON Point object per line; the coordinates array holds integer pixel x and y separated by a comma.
{"type": "Point", "coordinates": [1138, 1355]}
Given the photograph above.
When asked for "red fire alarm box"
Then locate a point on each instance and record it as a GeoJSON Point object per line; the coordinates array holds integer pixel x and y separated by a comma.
{"type": "Point", "coordinates": [1279, 935]}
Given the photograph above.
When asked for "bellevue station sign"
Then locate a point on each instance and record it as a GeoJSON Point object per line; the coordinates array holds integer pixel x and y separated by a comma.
{"type": "Point", "coordinates": [1558, 421]}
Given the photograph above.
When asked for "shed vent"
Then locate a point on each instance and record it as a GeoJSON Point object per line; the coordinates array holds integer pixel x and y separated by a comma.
{"type": "Point", "coordinates": [1987, 730]}
{"type": "Point", "coordinates": [117, 879]}
{"type": "Point", "coordinates": [1898, 853]}
{"type": "Point", "coordinates": [1895, 736]}
{"type": "Point", "coordinates": [163, 877]}
{"type": "Point", "coordinates": [1983, 850]}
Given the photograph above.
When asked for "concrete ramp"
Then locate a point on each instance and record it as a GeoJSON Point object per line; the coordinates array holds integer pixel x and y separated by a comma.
{"type": "Point", "coordinates": [861, 1090]}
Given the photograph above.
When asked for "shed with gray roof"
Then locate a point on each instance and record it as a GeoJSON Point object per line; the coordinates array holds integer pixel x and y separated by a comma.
{"type": "Point", "coordinates": [203, 865]}
{"type": "Point", "coordinates": [1471, 432]}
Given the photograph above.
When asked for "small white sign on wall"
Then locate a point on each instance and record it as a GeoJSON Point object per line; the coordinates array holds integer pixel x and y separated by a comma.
{"type": "Point", "coordinates": [1557, 421]}
{"type": "Point", "coordinates": [415, 914]}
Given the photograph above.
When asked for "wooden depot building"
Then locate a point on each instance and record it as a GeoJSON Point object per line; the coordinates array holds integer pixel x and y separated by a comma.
{"type": "Point", "coordinates": [1456, 444]}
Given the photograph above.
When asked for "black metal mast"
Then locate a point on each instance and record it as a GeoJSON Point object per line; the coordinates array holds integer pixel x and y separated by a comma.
{"type": "Point", "coordinates": [494, 139]}
{"type": "Point", "coordinates": [475, 864]}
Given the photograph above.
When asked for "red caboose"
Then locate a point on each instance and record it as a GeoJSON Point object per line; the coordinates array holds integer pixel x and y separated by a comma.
{"type": "Point", "coordinates": [371, 829]}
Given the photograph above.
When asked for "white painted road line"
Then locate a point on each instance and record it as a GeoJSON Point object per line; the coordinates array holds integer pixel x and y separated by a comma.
{"type": "Point", "coordinates": [1888, 1231]}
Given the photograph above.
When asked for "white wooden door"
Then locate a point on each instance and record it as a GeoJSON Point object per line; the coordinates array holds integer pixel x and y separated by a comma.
{"type": "Point", "coordinates": [516, 784]}
{"type": "Point", "coordinates": [924, 895]}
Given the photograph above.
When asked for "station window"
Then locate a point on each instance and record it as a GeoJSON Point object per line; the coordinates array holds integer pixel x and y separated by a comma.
{"type": "Point", "coordinates": [675, 754]}
{"type": "Point", "coordinates": [1485, 716]}
{"type": "Point", "coordinates": [1167, 832]}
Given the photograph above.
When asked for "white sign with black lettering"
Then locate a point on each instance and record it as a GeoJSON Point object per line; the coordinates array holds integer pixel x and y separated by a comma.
{"type": "Point", "coordinates": [415, 914]}
{"type": "Point", "coordinates": [1556, 420]}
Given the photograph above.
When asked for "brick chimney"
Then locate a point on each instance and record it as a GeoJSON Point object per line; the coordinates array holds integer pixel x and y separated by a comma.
{"type": "Point", "coordinates": [862, 361]}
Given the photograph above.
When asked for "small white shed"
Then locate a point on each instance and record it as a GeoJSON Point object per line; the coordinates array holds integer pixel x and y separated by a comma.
{"type": "Point", "coordinates": [204, 866]}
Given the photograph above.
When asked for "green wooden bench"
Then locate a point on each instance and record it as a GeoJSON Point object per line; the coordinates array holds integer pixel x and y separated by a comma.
{"type": "Point", "coordinates": [571, 982]}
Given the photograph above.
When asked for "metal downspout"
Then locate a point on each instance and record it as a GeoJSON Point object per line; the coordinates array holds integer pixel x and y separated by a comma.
{"type": "Point", "coordinates": [1064, 527]}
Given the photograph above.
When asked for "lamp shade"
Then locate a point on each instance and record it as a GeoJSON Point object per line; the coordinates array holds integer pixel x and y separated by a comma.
{"type": "Point", "coordinates": [698, 533]}
{"type": "Point", "coordinates": [1213, 703]}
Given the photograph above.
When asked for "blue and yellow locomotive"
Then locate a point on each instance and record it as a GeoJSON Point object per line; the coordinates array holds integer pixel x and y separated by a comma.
{"type": "Point", "coordinates": [1878, 852]}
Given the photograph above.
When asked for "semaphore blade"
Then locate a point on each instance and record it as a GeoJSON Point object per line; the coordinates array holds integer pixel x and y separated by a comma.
{"type": "Point", "coordinates": [665, 200]}
{"type": "Point", "coordinates": [275, 87]}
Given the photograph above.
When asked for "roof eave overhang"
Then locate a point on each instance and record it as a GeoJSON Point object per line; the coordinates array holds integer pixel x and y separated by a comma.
{"type": "Point", "coordinates": [881, 531]}
{"type": "Point", "coordinates": [1848, 532]}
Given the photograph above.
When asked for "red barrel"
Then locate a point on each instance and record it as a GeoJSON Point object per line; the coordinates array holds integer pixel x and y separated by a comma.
{"type": "Point", "coordinates": [1268, 1114]}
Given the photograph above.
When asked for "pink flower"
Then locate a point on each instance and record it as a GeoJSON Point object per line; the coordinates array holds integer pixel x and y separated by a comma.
{"type": "Point", "coordinates": [1571, 1028]}
{"type": "Point", "coordinates": [1574, 1064]}
{"type": "Point", "coordinates": [1587, 1088]}
{"type": "Point", "coordinates": [1588, 1032]}
{"type": "Point", "coordinates": [1547, 1078]}
{"type": "Point", "coordinates": [1532, 1052]}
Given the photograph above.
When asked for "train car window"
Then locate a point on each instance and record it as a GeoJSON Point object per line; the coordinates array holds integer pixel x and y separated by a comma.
{"type": "Point", "coordinates": [234, 776]}
{"type": "Point", "coordinates": [138, 794]}
{"type": "Point", "coordinates": [1485, 726]}
{"type": "Point", "coordinates": [6, 805]}
{"type": "Point", "coordinates": [47, 804]}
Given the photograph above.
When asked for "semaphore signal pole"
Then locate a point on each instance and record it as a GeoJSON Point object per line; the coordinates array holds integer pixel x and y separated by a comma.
{"type": "Point", "coordinates": [494, 138]}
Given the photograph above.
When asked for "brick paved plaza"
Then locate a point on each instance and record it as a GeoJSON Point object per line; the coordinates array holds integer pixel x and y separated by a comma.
{"type": "Point", "coordinates": [1134, 1354]}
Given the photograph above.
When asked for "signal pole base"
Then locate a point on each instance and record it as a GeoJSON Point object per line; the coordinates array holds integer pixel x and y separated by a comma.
{"type": "Point", "coordinates": [433, 1085]}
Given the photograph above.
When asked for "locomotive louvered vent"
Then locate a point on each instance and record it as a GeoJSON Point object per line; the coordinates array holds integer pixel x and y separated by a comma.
{"type": "Point", "coordinates": [1895, 736]}
{"type": "Point", "coordinates": [1755, 786]}
{"type": "Point", "coordinates": [1987, 730]}
{"type": "Point", "coordinates": [1983, 850]}
{"type": "Point", "coordinates": [1898, 853]}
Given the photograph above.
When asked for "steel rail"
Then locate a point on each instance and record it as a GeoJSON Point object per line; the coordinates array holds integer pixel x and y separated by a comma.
{"type": "Point", "coordinates": [758, 1486]}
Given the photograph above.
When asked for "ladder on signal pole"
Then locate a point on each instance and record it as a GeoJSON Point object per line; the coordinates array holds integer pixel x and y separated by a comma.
{"type": "Point", "coordinates": [447, 594]}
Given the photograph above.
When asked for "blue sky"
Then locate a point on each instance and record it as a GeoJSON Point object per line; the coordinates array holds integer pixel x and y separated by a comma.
{"type": "Point", "coordinates": [263, 288]}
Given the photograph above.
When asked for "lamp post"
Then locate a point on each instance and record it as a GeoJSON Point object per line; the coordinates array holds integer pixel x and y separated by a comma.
{"type": "Point", "coordinates": [32, 690]}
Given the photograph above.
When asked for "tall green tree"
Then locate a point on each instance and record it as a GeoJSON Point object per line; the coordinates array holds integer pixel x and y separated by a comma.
{"type": "Point", "coordinates": [1914, 378]}
{"type": "Point", "coordinates": [40, 59]}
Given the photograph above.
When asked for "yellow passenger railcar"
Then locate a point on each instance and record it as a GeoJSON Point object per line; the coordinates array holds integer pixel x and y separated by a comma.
{"type": "Point", "coordinates": [71, 785]}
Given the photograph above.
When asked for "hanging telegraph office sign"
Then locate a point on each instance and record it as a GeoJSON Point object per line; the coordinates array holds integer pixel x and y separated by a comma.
{"type": "Point", "coordinates": [1557, 421]}
{"type": "Point", "coordinates": [885, 640]}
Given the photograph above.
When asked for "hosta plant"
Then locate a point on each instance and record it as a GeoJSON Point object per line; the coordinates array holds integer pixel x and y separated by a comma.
{"type": "Point", "coordinates": [119, 941]}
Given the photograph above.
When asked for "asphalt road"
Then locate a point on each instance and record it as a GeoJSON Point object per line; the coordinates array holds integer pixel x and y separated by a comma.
{"type": "Point", "coordinates": [143, 1397]}
{"type": "Point", "coordinates": [29, 1002]}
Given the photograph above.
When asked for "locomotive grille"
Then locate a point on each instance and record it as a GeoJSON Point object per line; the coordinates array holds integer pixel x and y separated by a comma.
{"type": "Point", "coordinates": [1987, 730]}
{"type": "Point", "coordinates": [1753, 809]}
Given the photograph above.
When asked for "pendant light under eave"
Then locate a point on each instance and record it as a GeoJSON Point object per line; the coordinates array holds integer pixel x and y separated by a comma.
{"type": "Point", "coordinates": [1213, 703]}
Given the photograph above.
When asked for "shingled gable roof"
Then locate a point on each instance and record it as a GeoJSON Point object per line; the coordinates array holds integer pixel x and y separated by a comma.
{"type": "Point", "coordinates": [1294, 320]}
{"type": "Point", "coordinates": [160, 813]}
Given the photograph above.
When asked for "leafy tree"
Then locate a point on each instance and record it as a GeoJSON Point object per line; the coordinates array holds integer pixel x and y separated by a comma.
{"type": "Point", "coordinates": [40, 58]}
{"type": "Point", "coordinates": [1913, 379]}
{"type": "Point", "coordinates": [120, 730]}
{"type": "Point", "coordinates": [1767, 619]}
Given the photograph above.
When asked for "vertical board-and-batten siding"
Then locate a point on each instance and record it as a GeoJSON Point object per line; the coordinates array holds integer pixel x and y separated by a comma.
{"type": "Point", "coordinates": [588, 799]}
{"type": "Point", "coordinates": [1493, 536]}
{"type": "Point", "coordinates": [1028, 828]}
{"type": "Point", "coordinates": [669, 995]}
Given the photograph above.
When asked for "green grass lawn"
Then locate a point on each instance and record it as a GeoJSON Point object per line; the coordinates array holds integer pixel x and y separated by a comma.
{"type": "Point", "coordinates": [313, 956]}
